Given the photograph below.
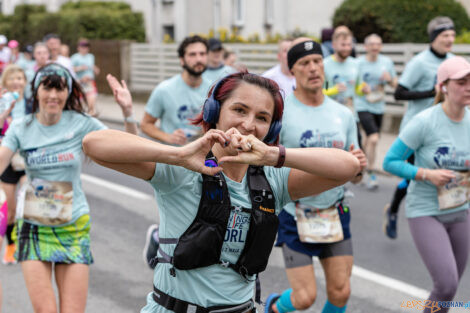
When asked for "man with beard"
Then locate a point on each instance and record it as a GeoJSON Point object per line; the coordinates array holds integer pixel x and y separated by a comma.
{"type": "Point", "coordinates": [177, 100]}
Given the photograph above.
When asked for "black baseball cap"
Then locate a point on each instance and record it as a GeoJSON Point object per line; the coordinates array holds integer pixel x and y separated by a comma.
{"type": "Point", "coordinates": [215, 44]}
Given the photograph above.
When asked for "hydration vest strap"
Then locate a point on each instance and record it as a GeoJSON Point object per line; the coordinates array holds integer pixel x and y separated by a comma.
{"type": "Point", "coordinates": [165, 257]}
{"type": "Point", "coordinates": [181, 306]}
{"type": "Point", "coordinates": [168, 241]}
{"type": "Point", "coordinates": [258, 290]}
{"type": "Point", "coordinates": [240, 209]}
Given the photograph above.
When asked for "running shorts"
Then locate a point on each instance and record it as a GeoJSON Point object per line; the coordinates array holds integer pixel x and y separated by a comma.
{"type": "Point", "coordinates": [370, 122]}
{"type": "Point", "coordinates": [294, 259]}
{"type": "Point", "coordinates": [10, 176]}
{"type": "Point", "coordinates": [64, 245]}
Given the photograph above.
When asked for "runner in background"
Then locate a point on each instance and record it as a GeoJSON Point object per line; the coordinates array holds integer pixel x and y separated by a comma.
{"type": "Point", "coordinates": [25, 60]}
{"type": "Point", "coordinates": [52, 234]}
{"type": "Point", "coordinates": [316, 225]}
{"type": "Point", "coordinates": [231, 59]}
{"type": "Point", "coordinates": [326, 44]}
{"type": "Point", "coordinates": [41, 58]}
{"type": "Point", "coordinates": [5, 53]}
{"type": "Point", "coordinates": [280, 73]}
{"type": "Point", "coordinates": [341, 72]}
{"type": "Point", "coordinates": [437, 203]}
{"type": "Point", "coordinates": [53, 44]}
{"type": "Point", "coordinates": [13, 80]}
{"type": "Point", "coordinates": [417, 85]}
{"type": "Point", "coordinates": [15, 51]}
{"type": "Point", "coordinates": [84, 65]}
{"type": "Point", "coordinates": [65, 50]}
{"type": "Point", "coordinates": [375, 72]}
{"type": "Point", "coordinates": [216, 69]}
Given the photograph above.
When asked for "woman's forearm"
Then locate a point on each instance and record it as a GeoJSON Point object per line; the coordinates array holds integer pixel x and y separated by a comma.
{"type": "Point", "coordinates": [335, 164]}
{"type": "Point", "coordinates": [119, 147]}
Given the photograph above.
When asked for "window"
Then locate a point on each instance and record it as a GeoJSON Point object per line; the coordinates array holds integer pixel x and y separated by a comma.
{"type": "Point", "coordinates": [269, 12]}
{"type": "Point", "coordinates": [239, 13]}
{"type": "Point", "coordinates": [169, 31]}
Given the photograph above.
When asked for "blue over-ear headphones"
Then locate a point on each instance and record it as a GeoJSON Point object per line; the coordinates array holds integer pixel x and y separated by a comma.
{"type": "Point", "coordinates": [211, 110]}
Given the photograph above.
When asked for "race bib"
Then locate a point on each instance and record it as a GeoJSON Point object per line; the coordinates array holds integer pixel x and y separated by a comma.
{"type": "Point", "coordinates": [318, 225]}
{"type": "Point", "coordinates": [47, 202]}
{"type": "Point", "coordinates": [456, 192]}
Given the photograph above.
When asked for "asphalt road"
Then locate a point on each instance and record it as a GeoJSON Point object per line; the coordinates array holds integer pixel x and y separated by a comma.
{"type": "Point", "coordinates": [386, 272]}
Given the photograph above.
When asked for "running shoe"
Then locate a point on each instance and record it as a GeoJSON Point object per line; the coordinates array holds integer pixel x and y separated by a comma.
{"type": "Point", "coordinates": [9, 255]}
{"type": "Point", "coordinates": [272, 298]}
{"type": "Point", "coordinates": [372, 183]}
{"type": "Point", "coordinates": [151, 245]}
{"type": "Point", "coordinates": [389, 222]}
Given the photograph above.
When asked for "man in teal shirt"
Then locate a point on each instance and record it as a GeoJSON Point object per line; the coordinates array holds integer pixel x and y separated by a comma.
{"type": "Point", "coordinates": [312, 119]}
{"type": "Point", "coordinates": [417, 85]}
{"type": "Point", "coordinates": [216, 69]}
{"type": "Point", "coordinates": [174, 102]}
{"type": "Point", "coordinates": [375, 72]}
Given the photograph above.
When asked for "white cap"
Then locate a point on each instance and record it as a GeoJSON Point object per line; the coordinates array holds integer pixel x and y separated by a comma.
{"type": "Point", "coordinates": [3, 40]}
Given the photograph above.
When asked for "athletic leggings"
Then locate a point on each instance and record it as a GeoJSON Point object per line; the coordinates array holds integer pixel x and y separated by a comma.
{"type": "Point", "coordinates": [444, 248]}
{"type": "Point", "coordinates": [400, 191]}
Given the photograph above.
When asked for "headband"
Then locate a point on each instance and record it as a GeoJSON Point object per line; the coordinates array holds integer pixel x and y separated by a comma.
{"type": "Point", "coordinates": [53, 69]}
{"type": "Point", "coordinates": [439, 29]}
{"type": "Point", "coordinates": [302, 49]}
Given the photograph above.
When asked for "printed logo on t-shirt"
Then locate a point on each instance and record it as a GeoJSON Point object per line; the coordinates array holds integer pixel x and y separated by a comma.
{"type": "Point", "coordinates": [236, 232]}
{"type": "Point", "coordinates": [451, 158]}
{"type": "Point", "coordinates": [314, 138]}
{"type": "Point", "coordinates": [41, 157]}
{"type": "Point", "coordinates": [186, 112]}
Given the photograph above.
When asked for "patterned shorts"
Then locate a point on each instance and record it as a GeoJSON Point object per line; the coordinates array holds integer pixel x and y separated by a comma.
{"type": "Point", "coordinates": [67, 244]}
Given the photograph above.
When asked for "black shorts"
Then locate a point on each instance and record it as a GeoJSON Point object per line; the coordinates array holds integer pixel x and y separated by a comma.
{"type": "Point", "coordinates": [370, 122]}
{"type": "Point", "coordinates": [10, 176]}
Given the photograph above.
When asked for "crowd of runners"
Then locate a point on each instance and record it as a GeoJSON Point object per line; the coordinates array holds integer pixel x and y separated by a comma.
{"type": "Point", "coordinates": [239, 163]}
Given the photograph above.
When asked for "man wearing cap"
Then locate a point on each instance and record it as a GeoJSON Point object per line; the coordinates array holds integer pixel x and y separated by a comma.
{"type": "Point", "coordinates": [53, 43]}
{"type": "Point", "coordinates": [417, 85]}
{"type": "Point", "coordinates": [216, 69]}
{"type": "Point", "coordinates": [280, 73]}
{"type": "Point", "coordinates": [5, 53]}
{"type": "Point", "coordinates": [318, 225]}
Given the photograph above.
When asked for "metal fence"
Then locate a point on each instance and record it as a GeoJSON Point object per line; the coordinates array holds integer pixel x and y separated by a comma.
{"type": "Point", "coordinates": [151, 64]}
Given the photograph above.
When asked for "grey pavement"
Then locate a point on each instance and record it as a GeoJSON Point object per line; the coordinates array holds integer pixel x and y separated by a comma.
{"type": "Point", "coordinates": [109, 112]}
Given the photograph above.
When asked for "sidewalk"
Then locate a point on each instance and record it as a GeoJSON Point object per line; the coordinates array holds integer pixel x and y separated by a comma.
{"type": "Point", "coordinates": [110, 113]}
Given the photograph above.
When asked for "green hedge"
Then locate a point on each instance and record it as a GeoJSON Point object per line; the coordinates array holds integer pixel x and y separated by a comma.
{"type": "Point", "coordinates": [93, 20]}
{"type": "Point", "coordinates": [397, 20]}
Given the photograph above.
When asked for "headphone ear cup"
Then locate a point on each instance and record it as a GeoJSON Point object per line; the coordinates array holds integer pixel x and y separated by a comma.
{"type": "Point", "coordinates": [273, 132]}
{"type": "Point", "coordinates": [210, 113]}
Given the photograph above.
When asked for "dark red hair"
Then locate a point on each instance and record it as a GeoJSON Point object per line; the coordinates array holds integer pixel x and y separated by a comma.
{"type": "Point", "coordinates": [229, 83]}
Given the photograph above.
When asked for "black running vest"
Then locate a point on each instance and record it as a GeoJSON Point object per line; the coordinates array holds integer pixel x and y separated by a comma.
{"type": "Point", "coordinates": [201, 244]}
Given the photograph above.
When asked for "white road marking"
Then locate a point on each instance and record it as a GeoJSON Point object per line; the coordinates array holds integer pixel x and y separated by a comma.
{"type": "Point", "coordinates": [391, 283]}
{"type": "Point", "coordinates": [116, 187]}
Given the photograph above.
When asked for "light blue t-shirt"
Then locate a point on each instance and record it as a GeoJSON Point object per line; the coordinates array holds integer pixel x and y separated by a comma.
{"type": "Point", "coordinates": [53, 153]}
{"type": "Point", "coordinates": [420, 74]}
{"type": "Point", "coordinates": [178, 192]}
{"type": "Point", "coordinates": [88, 59]}
{"type": "Point", "coordinates": [19, 110]}
{"type": "Point", "coordinates": [371, 73]}
{"type": "Point", "coordinates": [175, 103]}
{"type": "Point", "coordinates": [439, 143]}
{"type": "Point", "coordinates": [214, 74]}
{"type": "Point", "coordinates": [329, 125]}
{"type": "Point", "coordinates": [341, 72]}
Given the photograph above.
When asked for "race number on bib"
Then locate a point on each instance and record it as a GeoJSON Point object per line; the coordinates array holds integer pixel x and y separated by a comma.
{"type": "Point", "coordinates": [456, 192]}
{"type": "Point", "coordinates": [318, 225]}
{"type": "Point", "coordinates": [48, 202]}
